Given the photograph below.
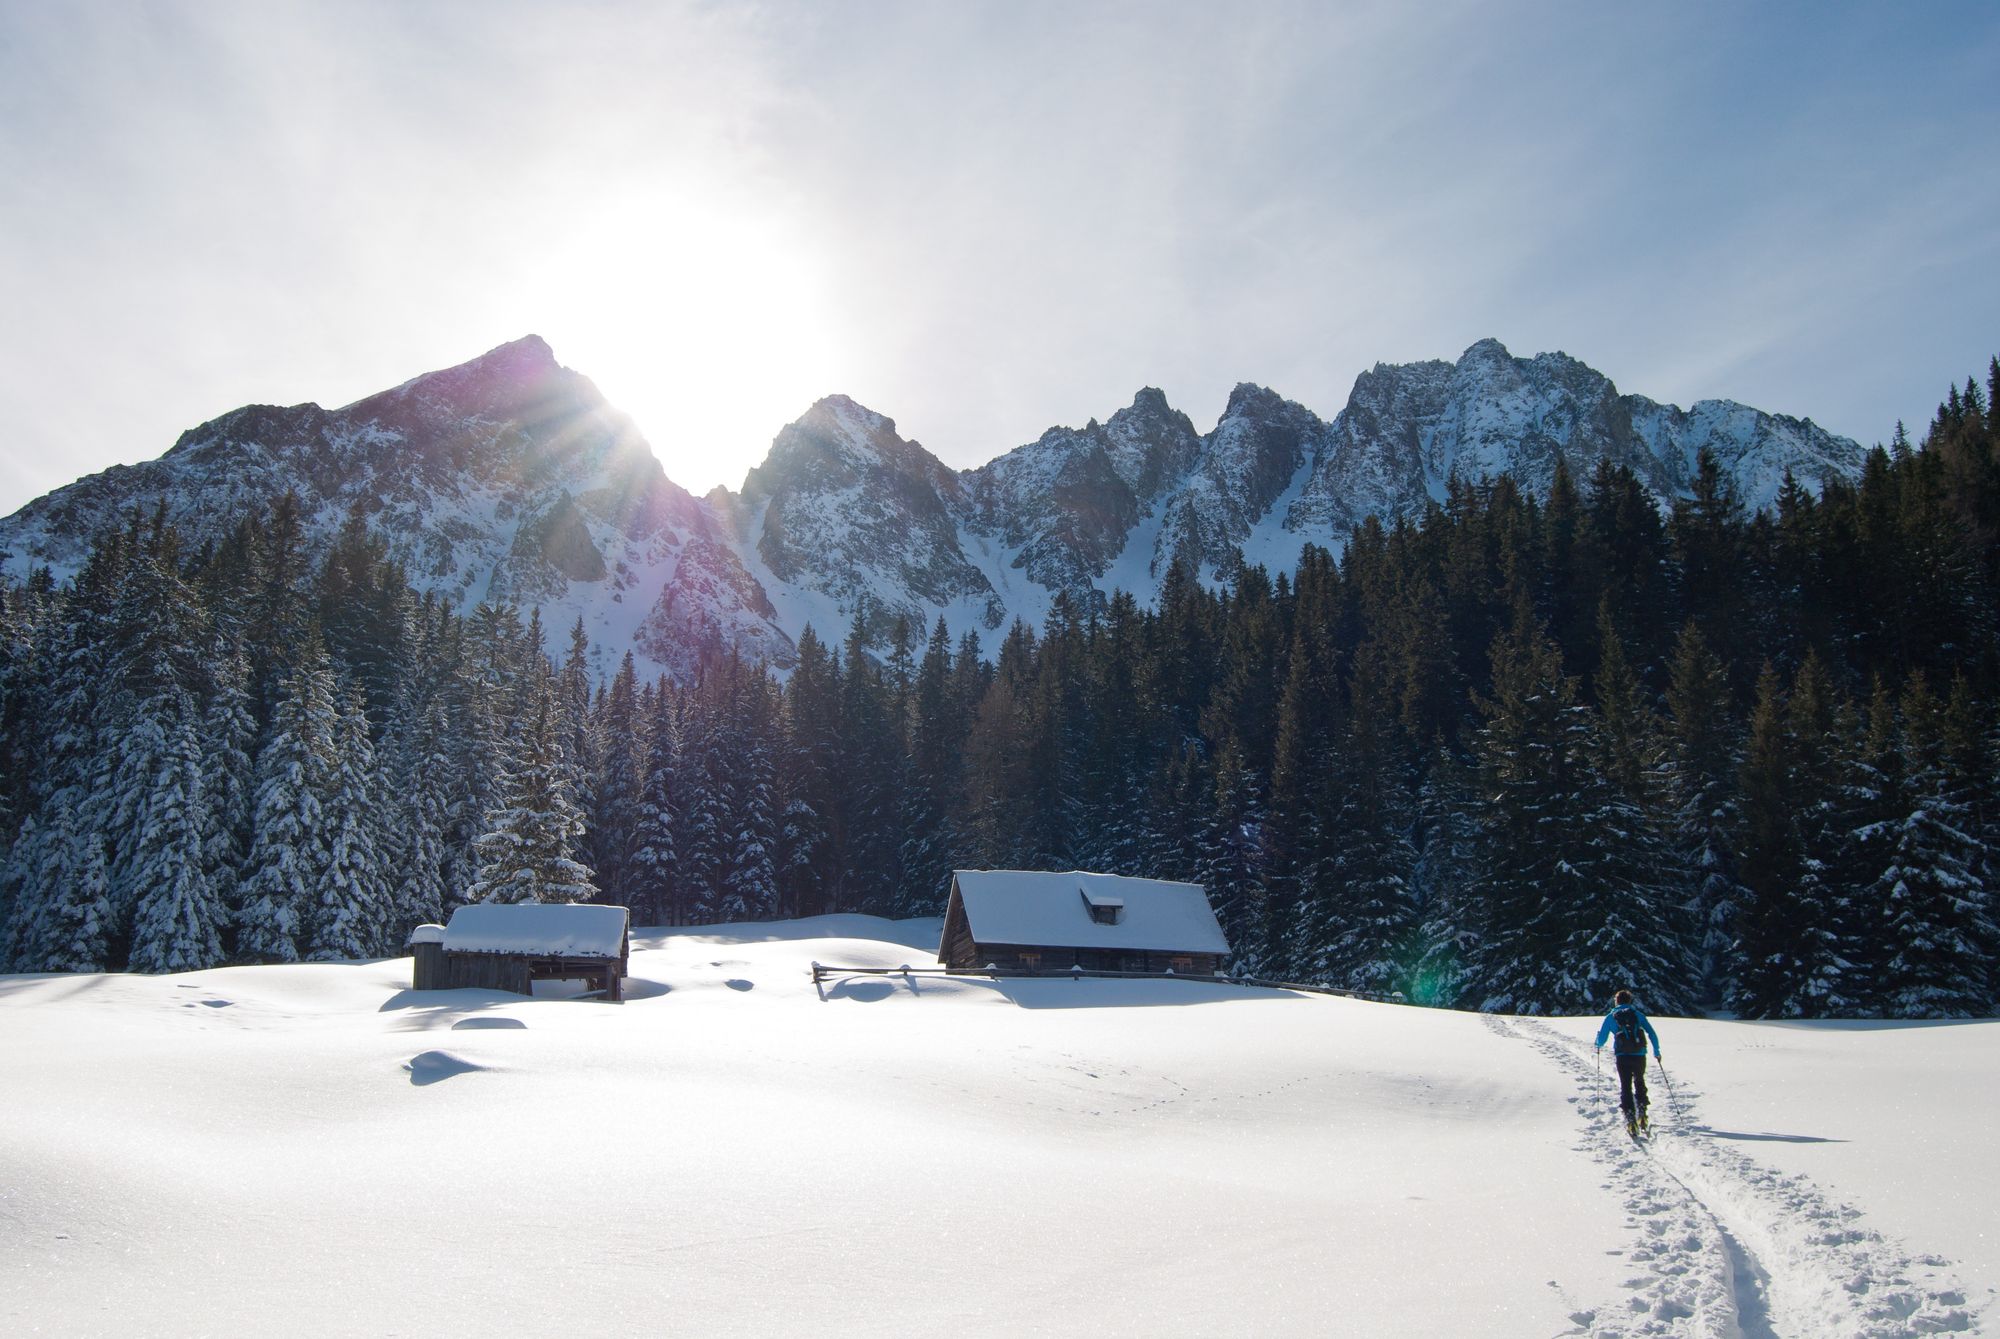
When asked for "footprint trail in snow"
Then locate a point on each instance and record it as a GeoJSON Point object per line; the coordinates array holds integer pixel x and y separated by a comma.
{"type": "Point", "coordinates": [1723, 1246]}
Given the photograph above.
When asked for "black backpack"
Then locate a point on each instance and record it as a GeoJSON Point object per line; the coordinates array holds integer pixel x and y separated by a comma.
{"type": "Point", "coordinates": [1631, 1038]}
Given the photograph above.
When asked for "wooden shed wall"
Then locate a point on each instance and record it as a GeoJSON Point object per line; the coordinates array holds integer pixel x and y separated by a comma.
{"type": "Point", "coordinates": [488, 971]}
{"type": "Point", "coordinates": [1058, 958]}
{"type": "Point", "coordinates": [427, 970]}
{"type": "Point", "coordinates": [518, 972]}
{"type": "Point", "coordinates": [958, 949]}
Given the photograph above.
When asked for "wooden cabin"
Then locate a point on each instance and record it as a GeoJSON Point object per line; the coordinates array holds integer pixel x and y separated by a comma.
{"type": "Point", "coordinates": [510, 946]}
{"type": "Point", "coordinates": [1041, 921]}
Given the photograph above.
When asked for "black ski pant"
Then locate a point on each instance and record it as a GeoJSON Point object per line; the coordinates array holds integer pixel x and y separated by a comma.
{"type": "Point", "coordinates": [1632, 1083]}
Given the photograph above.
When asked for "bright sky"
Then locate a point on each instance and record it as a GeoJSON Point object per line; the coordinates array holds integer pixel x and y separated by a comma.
{"type": "Point", "coordinates": [980, 219]}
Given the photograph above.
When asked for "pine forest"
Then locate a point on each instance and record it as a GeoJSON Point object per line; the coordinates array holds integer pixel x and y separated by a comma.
{"type": "Point", "coordinates": [1510, 755]}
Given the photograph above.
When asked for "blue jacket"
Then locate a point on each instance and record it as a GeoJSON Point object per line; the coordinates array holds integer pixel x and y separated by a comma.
{"type": "Point", "coordinates": [1611, 1025]}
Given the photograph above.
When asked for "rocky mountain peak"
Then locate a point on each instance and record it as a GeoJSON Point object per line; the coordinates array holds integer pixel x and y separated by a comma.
{"type": "Point", "coordinates": [840, 443]}
{"type": "Point", "coordinates": [508, 478]}
{"type": "Point", "coordinates": [1150, 444]}
{"type": "Point", "coordinates": [843, 414]}
{"type": "Point", "coordinates": [503, 379]}
{"type": "Point", "coordinates": [1248, 399]}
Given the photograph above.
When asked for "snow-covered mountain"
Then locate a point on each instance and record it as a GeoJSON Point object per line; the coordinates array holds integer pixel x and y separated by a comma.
{"type": "Point", "coordinates": [505, 479]}
{"type": "Point", "coordinates": [510, 479]}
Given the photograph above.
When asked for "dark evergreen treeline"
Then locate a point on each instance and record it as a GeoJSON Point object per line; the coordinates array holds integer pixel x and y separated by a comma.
{"type": "Point", "coordinates": [1509, 755]}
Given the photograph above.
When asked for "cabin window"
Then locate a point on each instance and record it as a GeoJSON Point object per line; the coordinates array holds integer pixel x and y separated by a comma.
{"type": "Point", "coordinates": [1181, 962]}
{"type": "Point", "coordinates": [1031, 962]}
{"type": "Point", "coordinates": [1105, 910]}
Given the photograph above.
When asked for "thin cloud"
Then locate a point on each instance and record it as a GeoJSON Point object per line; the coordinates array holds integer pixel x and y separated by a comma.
{"type": "Point", "coordinates": [994, 217]}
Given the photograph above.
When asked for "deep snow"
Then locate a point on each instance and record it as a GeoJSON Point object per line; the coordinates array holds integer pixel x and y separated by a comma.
{"type": "Point", "coordinates": [317, 1149]}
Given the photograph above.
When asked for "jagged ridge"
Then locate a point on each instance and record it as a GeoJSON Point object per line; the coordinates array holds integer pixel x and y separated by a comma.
{"type": "Point", "coordinates": [510, 478]}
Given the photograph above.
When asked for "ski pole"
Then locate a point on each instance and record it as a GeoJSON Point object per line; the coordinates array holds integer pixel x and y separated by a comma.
{"type": "Point", "coordinates": [1673, 1098]}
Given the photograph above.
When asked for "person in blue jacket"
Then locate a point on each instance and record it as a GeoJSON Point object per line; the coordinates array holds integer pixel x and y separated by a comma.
{"type": "Point", "coordinates": [1631, 1028]}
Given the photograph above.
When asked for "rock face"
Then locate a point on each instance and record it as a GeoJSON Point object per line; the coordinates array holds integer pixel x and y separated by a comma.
{"type": "Point", "coordinates": [510, 479]}
{"type": "Point", "coordinates": [505, 479]}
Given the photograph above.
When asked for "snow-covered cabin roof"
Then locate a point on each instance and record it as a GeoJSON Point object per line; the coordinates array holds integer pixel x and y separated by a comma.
{"type": "Point", "coordinates": [559, 929]}
{"type": "Point", "coordinates": [427, 934]}
{"type": "Point", "coordinates": [1018, 906]}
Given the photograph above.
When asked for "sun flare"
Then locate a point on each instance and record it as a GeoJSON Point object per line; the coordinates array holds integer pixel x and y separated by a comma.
{"type": "Point", "coordinates": [705, 322]}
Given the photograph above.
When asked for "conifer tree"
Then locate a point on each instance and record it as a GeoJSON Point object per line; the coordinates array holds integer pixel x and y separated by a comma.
{"type": "Point", "coordinates": [290, 828]}
{"type": "Point", "coordinates": [1823, 730]}
{"type": "Point", "coordinates": [998, 826]}
{"type": "Point", "coordinates": [702, 831]}
{"type": "Point", "coordinates": [228, 770]}
{"type": "Point", "coordinates": [870, 778]}
{"type": "Point", "coordinates": [583, 735]}
{"type": "Point", "coordinates": [1179, 814]}
{"type": "Point", "coordinates": [747, 885]}
{"type": "Point", "coordinates": [1532, 761]}
{"type": "Point", "coordinates": [931, 782]}
{"type": "Point", "coordinates": [350, 915]}
{"type": "Point", "coordinates": [1793, 921]}
{"type": "Point", "coordinates": [1443, 879]}
{"type": "Point", "coordinates": [179, 915]}
{"type": "Point", "coordinates": [1708, 533]}
{"type": "Point", "coordinates": [1298, 914]}
{"type": "Point", "coordinates": [655, 863]}
{"type": "Point", "coordinates": [1230, 862]}
{"type": "Point", "coordinates": [418, 874]}
{"type": "Point", "coordinates": [19, 893]}
{"type": "Point", "coordinates": [1365, 874]}
{"type": "Point", "coordinates": [1704, 752]}
{"type": "Point", "coordinates": [527, 851]}
{"type": "Point", "coordinates": [619, 747]}
{"type": "Point", "coordinates": [1637, 918]}
{"type": "Point", "coordinates": [808, 777]}
{"type": "Point", "coordinates": [1935, 908]}
{"type": "Point", "coordinates": [66, 911]}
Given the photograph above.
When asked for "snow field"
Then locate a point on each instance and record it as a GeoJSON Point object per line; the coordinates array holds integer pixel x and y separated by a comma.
{"type": "Point", "coordinates": [318, 1150]}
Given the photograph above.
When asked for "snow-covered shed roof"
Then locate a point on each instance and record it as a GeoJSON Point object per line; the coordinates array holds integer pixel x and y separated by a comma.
{"type": "Point", "coordinates": [558, 929]}
{"type": "Point", "coordinates": [1019, 906]}
{"type": "Point", "coordinates": [427, 933]}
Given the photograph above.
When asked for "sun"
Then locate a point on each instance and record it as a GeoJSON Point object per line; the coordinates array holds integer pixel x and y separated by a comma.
{"type": "Point", "coordinates": [703, 319]}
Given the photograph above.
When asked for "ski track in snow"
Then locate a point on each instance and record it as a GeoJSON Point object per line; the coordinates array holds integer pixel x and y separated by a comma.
{"type": "Point", "coordinates": [1726, 1247]}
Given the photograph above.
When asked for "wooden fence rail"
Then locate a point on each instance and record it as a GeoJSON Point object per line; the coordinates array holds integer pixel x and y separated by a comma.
{"type": "Point", "coordinates": [821, 972]}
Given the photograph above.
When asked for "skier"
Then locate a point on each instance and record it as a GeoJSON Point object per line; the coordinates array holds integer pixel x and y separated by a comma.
{"type": "Point", "coordinates": [1631, 1028]}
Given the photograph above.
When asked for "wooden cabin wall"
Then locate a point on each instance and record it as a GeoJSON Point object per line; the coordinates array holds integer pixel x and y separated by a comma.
{"type": "Point", "coordinates": [1008, 957]}
{"type": "Point", "coordinates": [487, 971]}
{"type": "Point", "coordinates": [427, 968]}
{"type": "Point", "coordinates": [959, 950]}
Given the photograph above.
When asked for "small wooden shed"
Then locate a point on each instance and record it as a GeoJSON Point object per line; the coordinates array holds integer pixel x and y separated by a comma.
{"type": "Point", "coordinates": [1042, 921]}
{"type": "Point", "coordinates": [510, 946]}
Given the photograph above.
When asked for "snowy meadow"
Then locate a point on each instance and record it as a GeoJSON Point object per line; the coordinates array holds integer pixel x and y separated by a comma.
{"type": "Point", "coordinates": [318, 1149]}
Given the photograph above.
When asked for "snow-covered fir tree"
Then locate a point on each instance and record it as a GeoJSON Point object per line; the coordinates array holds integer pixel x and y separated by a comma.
{"type": "Point", "coordinates": [1937, 923]}
{"type": "Point", "coordinates": [349, 916]}
{"type": "Point", "coordinates": [655, 864]}
{"type": "Point", "coordinates": [179, 914]}
{"type": "Point", "coordinates": [619, 747]}
{"type": "Point", "coordinates": [291, 829]}
{"type": "Point", "coordinates": [747, 880]}
{"type": "Point", "coordinates": [1705, 757]}
{"type": "Point", "coordinates": [528, 850]}
{"type": "Point", "coordinates": [422, 795]}
{"type": "Point", "coordinates": [1364, 876]}
{"type": "Point", "coordinates": [228, 768]}
{"type": "Point", "coordinates": [1533, 857]}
